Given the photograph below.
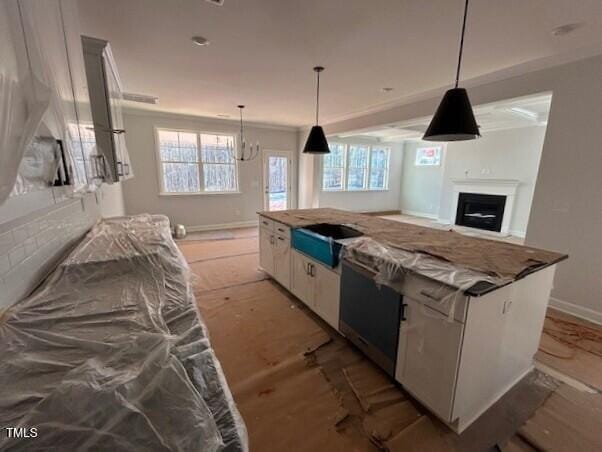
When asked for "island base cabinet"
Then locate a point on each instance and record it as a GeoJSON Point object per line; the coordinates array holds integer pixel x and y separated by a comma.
{"type": "Point", "coordinates": [316, 286]}
{"type": "Point", "coordinates": [428, 355]}
{"type": "Point", "coordinates": [327, 295]}
{"type": "Point", "coordinates": [302, 284]}
{"type": "Point", "coordinates": [275, 252]}
{"type": "Point", "coordinates": [266, 250]}
{"type": "Point", "coordinates": [282, 260]}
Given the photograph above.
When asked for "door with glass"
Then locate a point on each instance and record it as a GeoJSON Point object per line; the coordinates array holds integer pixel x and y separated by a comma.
{"type": "Point", "coordinates": [276, 180]}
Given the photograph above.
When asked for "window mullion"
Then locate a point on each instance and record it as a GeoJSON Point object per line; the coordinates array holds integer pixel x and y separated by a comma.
{"type": "Point", "coordinates": [345, 167]}
{"type": "Point", "coordinates": [199, 159]}
{"type": "Point", "coordinates": [369, 168]}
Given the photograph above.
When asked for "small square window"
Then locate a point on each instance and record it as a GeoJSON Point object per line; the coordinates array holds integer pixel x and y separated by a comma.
{"type": "Point", "coordinates": [428, 156]}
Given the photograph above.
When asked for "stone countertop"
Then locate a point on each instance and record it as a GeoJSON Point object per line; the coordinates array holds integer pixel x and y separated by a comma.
{"type": "Point", "coordinates": [490, 257]}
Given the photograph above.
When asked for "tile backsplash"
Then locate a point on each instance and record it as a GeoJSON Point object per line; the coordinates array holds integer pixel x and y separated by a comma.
{"type": "Point", "coordinates": [32, 243]}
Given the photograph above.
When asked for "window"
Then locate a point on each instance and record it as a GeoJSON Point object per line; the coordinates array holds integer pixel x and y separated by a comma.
{"type": "Point", "coordinates": [429, 156]}
{"type": "Point", "coordinates": [334, 168]}
{"type": "Point", "coordinates": [219, 165]}
{"type": "Point", "coordinates": [355, 167]}
{"type": "Point", "coordinates": [379, 168]}
{"type": "Point", "coordinates": [186, 170]}
{"type": "Point", "coordinates": [358, 166]}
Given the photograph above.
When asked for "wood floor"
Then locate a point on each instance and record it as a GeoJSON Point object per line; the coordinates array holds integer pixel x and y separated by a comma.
{"type": "Point", "coordinates": [300, 386]}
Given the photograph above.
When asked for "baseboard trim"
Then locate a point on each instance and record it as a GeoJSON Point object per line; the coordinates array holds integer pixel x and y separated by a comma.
{"type": "Point", "coordinates": [381, 213]}
{"type": "Point", "coordinates": [578, 311]}
{"type": "Point", "coordinates": [413, 213]}
{"type": "Point", "coordinates": [215, 227]}
{"type": "Point", "coordinates": [519, 234]}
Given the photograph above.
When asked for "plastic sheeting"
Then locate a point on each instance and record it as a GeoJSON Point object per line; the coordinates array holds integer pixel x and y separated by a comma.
{"type": "Point", "coordinates": [390, 265]}
{"type": "Point", "coordinates": [110, 352]}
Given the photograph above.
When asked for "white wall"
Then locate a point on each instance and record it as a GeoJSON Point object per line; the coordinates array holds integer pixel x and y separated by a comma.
{"type": "Point", "coordinates": [503, 154]}
{"type": "Point", "coordinates": [420, 185]}
{"type": "Point", "coordinates": [365, 201]}
{"type": "Point", "coordinates": [566, 215]}
{"type": "Point", "coordinates": [204, 210]}
{"type": "Point", "coordinates": [112, 200]}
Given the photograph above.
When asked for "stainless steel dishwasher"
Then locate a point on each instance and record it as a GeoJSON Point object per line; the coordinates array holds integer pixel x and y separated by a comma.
{"type": "Point", "coordinates": [370, 316]}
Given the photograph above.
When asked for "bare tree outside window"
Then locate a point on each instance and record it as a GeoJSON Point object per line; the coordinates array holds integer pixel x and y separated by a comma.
{"type": "Point", "coordinates": [197, 162]}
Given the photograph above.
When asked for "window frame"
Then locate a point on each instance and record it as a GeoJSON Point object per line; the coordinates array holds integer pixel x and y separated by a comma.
{"type": "Point", "coordinates": [344, 168]}
{"type": "Point", "coordinates": [439, 148]}
{"type": "Point", "coordinates": [387, 168]}
{"type": "Point", "coordinates": [367, 174]}
{"type": "Point", "coordinates": [199, 163]}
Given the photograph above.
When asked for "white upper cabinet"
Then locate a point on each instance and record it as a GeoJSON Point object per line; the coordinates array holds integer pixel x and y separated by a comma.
{"type": "Point", "coordinates": [106, 97]}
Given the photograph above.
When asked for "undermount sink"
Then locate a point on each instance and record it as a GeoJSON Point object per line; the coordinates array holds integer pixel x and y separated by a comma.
{"type": "Point", "coordinates": [334, 231]}
{"type": "Point", "coordinates": [319, 241]}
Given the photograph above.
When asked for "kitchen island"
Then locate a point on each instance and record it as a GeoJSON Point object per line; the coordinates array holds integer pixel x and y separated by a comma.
{"type": "Point", "coordinates": [454, 319]}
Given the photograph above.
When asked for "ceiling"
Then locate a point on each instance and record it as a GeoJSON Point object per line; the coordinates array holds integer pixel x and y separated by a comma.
{"type": "Point", "coordinates": [510, 114]}
{"type": "Point", "coordinates": [262, 51]}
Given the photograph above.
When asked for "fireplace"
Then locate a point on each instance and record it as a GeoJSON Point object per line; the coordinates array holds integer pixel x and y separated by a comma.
{"type": "Point", "coordinates": [481, 211]}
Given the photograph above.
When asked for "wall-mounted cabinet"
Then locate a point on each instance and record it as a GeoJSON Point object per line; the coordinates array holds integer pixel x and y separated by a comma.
{"type": "Point", "coordinates": [106, 99]}
{"type": "Point", "coordinates": [44, 92]}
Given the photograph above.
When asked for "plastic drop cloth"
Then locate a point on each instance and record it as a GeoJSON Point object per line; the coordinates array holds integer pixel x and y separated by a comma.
{"type": "Point", "coordinates": [390, 266]}
{"type": "Point", "coordinates": [110, 352]}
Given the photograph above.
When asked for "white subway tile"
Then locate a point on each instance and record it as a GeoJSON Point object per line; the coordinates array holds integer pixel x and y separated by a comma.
{"type": "Point", "coordinates": [6, 242]}
{"type": "Point", "coordinates": [16, 256]}
{"type": "Point", "coordinates": [20, 234]}
{"type": "Point", "coordinates": [4, 265]}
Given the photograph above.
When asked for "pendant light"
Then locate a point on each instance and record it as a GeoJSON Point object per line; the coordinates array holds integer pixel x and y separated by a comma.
{"type": "Point", "coordinates": [316, 141]}
{"type": "Point", "coordinates": [454, 119]}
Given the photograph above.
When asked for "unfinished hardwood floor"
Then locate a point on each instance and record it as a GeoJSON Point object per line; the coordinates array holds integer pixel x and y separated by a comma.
{"type": "Point", "coordinates": [300, 386]}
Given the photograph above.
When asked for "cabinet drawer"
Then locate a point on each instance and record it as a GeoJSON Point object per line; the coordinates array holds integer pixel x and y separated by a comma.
{"type": "Point", "coordinates": [266, 223]}
{"type": "Point", "coordinates": [282, 230]}
{"type": "Point", "coordinates": [435, 295]}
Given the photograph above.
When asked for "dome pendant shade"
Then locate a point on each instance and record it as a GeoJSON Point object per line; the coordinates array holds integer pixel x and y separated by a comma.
{"type": "Point", "coordinates": [316, 142]}
{"type": "Point", "coordinates": [454, 119]}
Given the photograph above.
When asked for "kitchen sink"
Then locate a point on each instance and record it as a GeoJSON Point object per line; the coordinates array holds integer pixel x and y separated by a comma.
{"type": "Point", "coordinates": [321, 241]}
{"type": "Point", "coordinates": [334, 231]}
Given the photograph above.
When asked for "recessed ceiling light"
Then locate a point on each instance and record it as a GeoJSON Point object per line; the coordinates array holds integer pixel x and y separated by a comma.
{"type": "Point", "coordinates": [200, 41]}
{"type": "Point", "coordinates": [567, 28]}
{"type": "Point", "coordinates": [387, 89]}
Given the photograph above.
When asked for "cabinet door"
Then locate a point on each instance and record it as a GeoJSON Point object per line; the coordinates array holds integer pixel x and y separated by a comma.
{"type": "Point", "coordinates": [327, 294]}
{"type": "Point", "coordinates": [282, 261]}
{"type": "Point", "coordinates": [428, 353]}
{"type": "Point", "coordinates": [266, 252]}
{"type": "Point", "coordinates": [302, 282]}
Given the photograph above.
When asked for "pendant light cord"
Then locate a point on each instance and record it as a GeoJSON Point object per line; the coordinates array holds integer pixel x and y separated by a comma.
{"type": "Point", "coordinates": [318, 97]}
{"type": "Point", "coordinates": [461, 43]}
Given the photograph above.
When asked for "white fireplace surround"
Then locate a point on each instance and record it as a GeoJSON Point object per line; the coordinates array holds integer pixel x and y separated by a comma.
{"type": "Point", "coordinates": [504, 187]}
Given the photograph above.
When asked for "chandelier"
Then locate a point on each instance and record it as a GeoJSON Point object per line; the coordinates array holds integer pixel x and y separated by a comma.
{"type": "Point", "coordinates": [245, 152]}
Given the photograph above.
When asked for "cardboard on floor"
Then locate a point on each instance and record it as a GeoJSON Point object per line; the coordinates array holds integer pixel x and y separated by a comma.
{"type": "Point", "coordinates": [301, 386]}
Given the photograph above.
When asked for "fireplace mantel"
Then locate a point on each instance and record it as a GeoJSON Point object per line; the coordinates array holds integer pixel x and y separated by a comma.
{"type": "Point", "coordinates": [504, 187]}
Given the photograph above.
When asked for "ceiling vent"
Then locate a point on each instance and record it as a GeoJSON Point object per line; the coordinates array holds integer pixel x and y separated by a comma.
{"type": "Point", "coordinates": [215, 2]}
{"type": "Point", "coordinates": [142, 98]}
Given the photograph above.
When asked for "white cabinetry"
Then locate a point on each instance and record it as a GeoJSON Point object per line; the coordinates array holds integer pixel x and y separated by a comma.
{"type": "Point", "coordinates": [458, 369]}
{"type": "Point", "coordinates": [302, 284]}
{"type": "Point", "coordinates": [266, 250]}
{"type": "Point", "coordinates": [275, 251]}
{"type": "Point", "coordinates": [317, 286]}
{"type": "Point", "coordinates": [105, 99]}
{"type": "Point", "coordinates": [428, 353]}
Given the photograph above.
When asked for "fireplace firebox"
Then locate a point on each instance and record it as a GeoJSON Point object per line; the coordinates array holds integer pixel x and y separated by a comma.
{"type": "Point", "coordinates": [481, 211]}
